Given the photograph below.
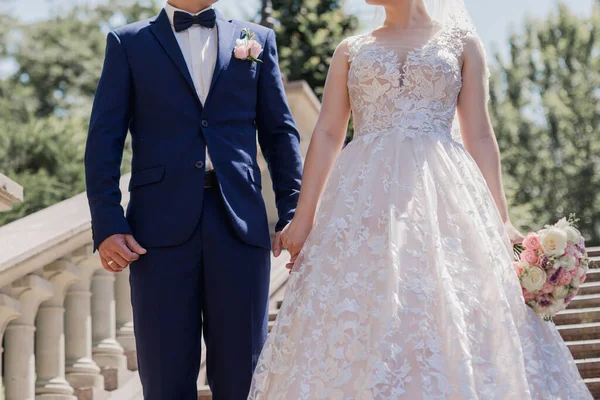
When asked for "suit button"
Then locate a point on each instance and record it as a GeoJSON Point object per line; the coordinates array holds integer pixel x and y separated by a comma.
{"type": "Point", "coordinates": [199, 165]}
{"type": "Point", "coordinates": [204, 123]}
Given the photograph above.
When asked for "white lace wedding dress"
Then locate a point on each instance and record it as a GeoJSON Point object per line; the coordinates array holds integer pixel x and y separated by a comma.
{"type": "Point", "coordinates": [405, 289]}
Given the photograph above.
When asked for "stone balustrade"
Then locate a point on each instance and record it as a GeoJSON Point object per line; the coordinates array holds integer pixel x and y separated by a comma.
{"type": "Point", "coordinates": [10, 193]}
{"type": "Point", "coordinates": [62, 317]}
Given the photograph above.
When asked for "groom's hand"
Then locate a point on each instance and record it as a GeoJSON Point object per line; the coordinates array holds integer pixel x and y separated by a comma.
{"type": "Point", "coordinates": [277, 245]}
{"type": "Point", "coordinates": [118, 251]}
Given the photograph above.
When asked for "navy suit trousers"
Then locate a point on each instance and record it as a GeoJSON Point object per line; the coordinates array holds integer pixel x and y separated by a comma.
{"type": "Point", "coordinates": [213, 283]}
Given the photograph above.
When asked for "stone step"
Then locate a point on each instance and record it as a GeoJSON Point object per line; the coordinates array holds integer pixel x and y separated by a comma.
{"type": "Point", "coordinates": [585, 348]}
{"type": "Point", "coordinates": [585, 301]}
{"type": "Point", "coordinates": [204, 393]}
{"type": "Point", "coordinates": [271, 325]}
{"type": "Point", "coordinates": [273, 315]}
{"type": "Point", "coordinates": [577, 316]}
{"type": "Point", "coordinates": [589, 288]}
{"type": "Point", "coordinates": [594, 385]}
{"type": "Point", "coordinates": [593, 251]}
{"type": "Point", "coordinates": [589, 367]}
{"type": "Point", "coordinates": [578, 332]}
{"type": "Point", "coordinates": [593, 275]}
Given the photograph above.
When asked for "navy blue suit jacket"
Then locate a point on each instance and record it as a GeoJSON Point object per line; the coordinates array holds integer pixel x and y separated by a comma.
{"type": "Point", "coordinates": [146, 89]}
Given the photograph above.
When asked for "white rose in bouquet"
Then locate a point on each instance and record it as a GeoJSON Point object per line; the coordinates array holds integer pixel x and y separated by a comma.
{"type": "Point", "coordinates": [555, 308]}
{"type": "Point", "coordinates": [567, 262]}
{"type": "Point", "coordinates": [573, 234]}
{"type": "Point", "coordinates": [554, 241]}
{"type": "Point", "coordinates": [561, 292]}
{"type": "Point", "coordinates": [533, 279]}
{"type": "Point", "coordinates": [523, 265]}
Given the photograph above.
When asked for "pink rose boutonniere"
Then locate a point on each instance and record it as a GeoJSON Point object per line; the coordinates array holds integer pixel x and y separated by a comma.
{"type": "Point", "coordinates": [248, 48]}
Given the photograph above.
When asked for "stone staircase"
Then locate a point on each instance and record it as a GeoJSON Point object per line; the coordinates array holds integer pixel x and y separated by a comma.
{"type": "Point", "coordinates": [579, 326]}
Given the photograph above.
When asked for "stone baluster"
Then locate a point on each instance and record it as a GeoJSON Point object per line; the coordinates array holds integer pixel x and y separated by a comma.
{"type": "Point", "coordinates": [50, 334]}
{"type": "Point", "coordinates": [19, 357]}
{"type": "Point", "coordinates": [106, 350]}
{"type": "Point", "coordinates": [9, 310]}
{"type": "Point", "coordinates": [125, 334]}
{"type": "Point", "coordinates": [82, 372]}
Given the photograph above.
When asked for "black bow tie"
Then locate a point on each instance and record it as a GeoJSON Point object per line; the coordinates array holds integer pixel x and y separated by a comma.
{"type": "Point", "coordinates": [183, 20]}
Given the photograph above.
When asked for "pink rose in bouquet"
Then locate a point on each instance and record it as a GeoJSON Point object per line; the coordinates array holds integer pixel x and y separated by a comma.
{"type": "Point", "coordinates": [547, 288]}
{"type": "Point", "coordinates": [532, 241]}
{"type": "Point", "coordinates": [529, 256]}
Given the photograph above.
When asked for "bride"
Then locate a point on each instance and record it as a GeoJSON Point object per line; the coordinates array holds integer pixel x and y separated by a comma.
{"type": "Point", "coordinates": [404, 287]}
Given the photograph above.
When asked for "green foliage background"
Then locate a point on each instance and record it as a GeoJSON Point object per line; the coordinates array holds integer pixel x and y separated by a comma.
{"type": "Point", "coordinates": [45, 104]}
{"type": "Point", "coordinates": [308, 32]}
{"type": "Point", "coordinates": [545, 105]}
{"type": "Point", "coordinates": [544, 101]}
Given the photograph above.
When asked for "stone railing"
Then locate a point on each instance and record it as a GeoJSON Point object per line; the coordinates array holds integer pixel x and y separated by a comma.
{"type": "Point", "coordinates": [10, 193]}
{"type": "Point", "coordinates": [65, 323]}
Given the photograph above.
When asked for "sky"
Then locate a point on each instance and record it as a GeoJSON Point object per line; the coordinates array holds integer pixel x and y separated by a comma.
{"type": "Point", "coordinates": [494, 18]}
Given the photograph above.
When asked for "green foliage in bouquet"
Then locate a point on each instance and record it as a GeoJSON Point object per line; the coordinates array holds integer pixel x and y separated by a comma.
{"type": "Point", "coordinates": [545, 106]}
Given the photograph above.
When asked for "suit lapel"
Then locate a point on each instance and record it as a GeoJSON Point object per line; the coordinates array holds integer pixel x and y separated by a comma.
{"type": "Point", "coordinates": [161, 29]}
{"type": "Point", "coordinates": [226, 33]}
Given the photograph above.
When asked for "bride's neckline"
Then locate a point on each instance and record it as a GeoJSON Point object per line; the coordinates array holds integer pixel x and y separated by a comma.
{"type": "Point", "coordinates": [436, 27]}
{"type": "Point", "coordinates": [399, 31]}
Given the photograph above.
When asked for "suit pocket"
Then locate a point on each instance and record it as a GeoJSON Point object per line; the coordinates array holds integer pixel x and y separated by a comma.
{"type": "Point", "coordinates": [243, 70]}
{"type": "Point", "coordinates": [146, 177]}
{"type": "Point", "coordinates": [254, 176]}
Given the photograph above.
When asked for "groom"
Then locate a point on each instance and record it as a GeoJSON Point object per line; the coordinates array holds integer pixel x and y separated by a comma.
{"type": "Point", "coordinates": [196, 232]}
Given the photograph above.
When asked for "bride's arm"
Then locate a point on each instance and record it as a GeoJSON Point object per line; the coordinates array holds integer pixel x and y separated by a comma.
{"type": "Point", "coordinates": [477, 132]}
{"type": "Point", "coordinates": [325, 145]}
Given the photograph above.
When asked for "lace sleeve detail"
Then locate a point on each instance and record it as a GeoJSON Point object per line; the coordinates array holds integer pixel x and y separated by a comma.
{"type": "Point", "coordinates": [353, 46]}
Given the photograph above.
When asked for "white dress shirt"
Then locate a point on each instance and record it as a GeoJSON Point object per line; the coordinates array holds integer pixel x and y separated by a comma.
{"type": "Point", "coordinates": [199, 47]}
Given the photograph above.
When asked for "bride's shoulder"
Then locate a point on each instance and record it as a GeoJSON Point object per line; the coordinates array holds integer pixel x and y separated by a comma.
{"type": "Point", "coordinates": [352, 44]}
{"type": "Point", "coordinates": [474, 52]}
{"type": "Point", "coordinates": [466, 41]}
{"type": "Point", "coordinates": [467, 36]}
{"type": "Point", "coordinates": [471, 44]}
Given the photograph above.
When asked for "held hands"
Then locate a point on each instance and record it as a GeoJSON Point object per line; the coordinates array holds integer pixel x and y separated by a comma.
{"type": "Point", "coordinates": [118, 251]}
{"type": "Point", "coordinates": [292, 237]}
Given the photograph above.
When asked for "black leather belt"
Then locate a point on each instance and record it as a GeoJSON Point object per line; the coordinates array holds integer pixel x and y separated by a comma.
{"type": "Point", "coordinates": [210, 179]}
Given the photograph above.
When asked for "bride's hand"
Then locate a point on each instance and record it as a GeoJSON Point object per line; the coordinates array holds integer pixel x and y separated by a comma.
{"type": "Point", "coordinates": [293, 237]}
{"type": "Point", "coordinates": [515, 236]}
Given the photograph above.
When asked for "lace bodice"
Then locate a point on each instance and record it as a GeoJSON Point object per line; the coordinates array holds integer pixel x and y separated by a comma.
{"type": "Point", "coordinates": [408, 93]}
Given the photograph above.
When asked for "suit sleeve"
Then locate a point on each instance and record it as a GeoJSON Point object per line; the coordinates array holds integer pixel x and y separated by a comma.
{"type": "Point", "coordinates": [109, 124]}
{"type": "Point", "coordinates": [277, 135]}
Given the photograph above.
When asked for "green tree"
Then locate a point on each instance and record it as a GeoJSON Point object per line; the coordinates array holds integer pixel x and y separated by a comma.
{"type": "Point", "coordinates": [308, 31]}
{"type": "Point", "coordinates": [59, 60]}
{"type": "Point", "coordinates": [45, 156]}
{"type": "Point", "coordinates": [45, 104]}
{"type": "Point", "coordinates": [545, 105]}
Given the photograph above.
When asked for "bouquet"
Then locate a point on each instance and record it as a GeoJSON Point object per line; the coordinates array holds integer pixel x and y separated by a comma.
{"type": "Point", "coordinates": [552, 264]}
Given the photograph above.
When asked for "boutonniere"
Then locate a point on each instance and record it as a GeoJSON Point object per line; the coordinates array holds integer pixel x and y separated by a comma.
{"type": "Point", "coordinates": [247, 48]}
